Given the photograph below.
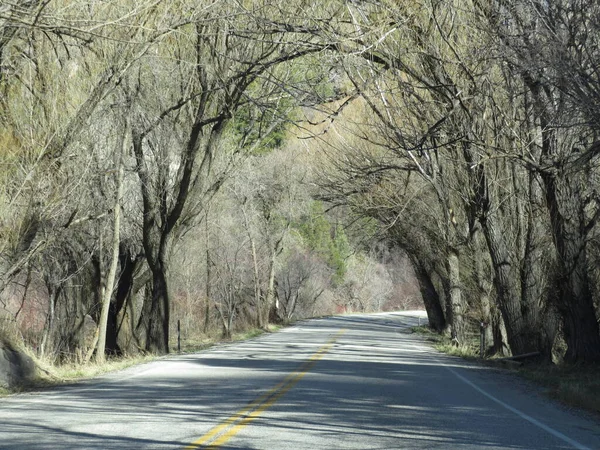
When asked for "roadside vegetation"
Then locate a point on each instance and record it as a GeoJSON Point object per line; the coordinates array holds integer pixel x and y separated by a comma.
{"type": "Point", "coordinates": [222, 166]}
{"type": "Point", "coordinates": [573, 385]}
{"type": "Point", "coordinates": [576, 386]}
{"type": "Point", "coordinates": [50, 374]}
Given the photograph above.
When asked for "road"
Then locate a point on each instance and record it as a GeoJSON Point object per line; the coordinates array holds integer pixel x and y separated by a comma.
{"type": "Point", "coordinates": [349, 382]}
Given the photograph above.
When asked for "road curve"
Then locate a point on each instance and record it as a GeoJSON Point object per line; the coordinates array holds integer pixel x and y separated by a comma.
{"type": "Point", "coordinates": [347, 382]}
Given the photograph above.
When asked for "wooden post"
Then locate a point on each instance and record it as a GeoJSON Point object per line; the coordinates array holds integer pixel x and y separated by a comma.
{"type": "Point", "coordinates": [482, 326]}
{"type": "Point", "coordinates": [178, 336]}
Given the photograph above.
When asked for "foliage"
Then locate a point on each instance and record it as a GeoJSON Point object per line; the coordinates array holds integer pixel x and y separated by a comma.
{"type": "Point", "coordinates": [326, 239]}
{"type": "Point", "coordinates": [462, 134]}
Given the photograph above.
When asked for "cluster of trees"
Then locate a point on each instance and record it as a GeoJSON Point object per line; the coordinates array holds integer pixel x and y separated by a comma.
{"type": "Point", "coordinates": [145, 173]}
{"type": "Point", "coordinates": [167, 157]}
{"type": "Point", "coordinates": [478, 152]}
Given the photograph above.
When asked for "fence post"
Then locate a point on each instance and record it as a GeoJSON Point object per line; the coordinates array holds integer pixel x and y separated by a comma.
{"type": "Point", "coordinates": [482, 326]}
{"type": "Point", "coordinates": [178, 336]}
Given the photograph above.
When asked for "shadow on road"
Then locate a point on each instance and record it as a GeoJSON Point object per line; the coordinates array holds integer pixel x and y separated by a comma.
{"type": "Point", "coordinates": [374, 385]}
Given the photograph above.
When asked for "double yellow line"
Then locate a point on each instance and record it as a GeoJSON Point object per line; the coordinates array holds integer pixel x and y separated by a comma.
{"type": "Point", "coordinates": [231, 426]}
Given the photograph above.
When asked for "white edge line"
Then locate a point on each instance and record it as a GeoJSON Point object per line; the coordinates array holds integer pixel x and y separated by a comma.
{"type": "Point", "coordinates": [529, 419]}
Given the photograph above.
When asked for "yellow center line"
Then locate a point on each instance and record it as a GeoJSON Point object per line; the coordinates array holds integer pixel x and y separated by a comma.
{"type": "Point", "coordinates": [254, 409]}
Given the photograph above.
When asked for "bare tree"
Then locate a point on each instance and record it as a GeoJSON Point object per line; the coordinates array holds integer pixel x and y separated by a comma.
{"type": "Point", "coordinates": [228, 55]}
{"type": "Point", "coordinates": [551, 49]}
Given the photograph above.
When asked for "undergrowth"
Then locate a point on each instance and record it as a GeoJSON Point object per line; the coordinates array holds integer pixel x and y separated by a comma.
{"type": "Point", "coordinates": [49, 374]}
{"type": "Point", "coordinates": [73, 371]}
{"type": "Point", "coordinates": [470, 350]}
{"type": "Point", "coordinates": [577, 386]}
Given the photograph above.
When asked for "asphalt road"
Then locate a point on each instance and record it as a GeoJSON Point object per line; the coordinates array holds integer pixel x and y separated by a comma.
{"type": "Point", "coordinates": [351, 382]}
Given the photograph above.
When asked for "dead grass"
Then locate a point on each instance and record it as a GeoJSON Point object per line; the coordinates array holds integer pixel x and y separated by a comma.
{"type": "Point", "coordinates": [194, 345]}
{"type": "Point", "coordinates": [50, 375]}
{"type": "Point", "coordinates": [470, 350]}
{"type": "Point", "coordinates": [255, 332]}
{"type": "Point", "coordinates": [53, 375]}
{"type": "Point", "coordinates": [577, 386]}
{"type": "Point", "coordinates": [202, 342]}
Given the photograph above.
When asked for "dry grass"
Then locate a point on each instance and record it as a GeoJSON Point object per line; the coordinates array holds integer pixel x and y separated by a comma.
{"type": "Point", "coordinates": [255, 332]}
{"type": "Point", "coordinates": [203, 342]}
{"type": "Point", "coordinates": [577, 386]}
{"type": "Point", "coordinates": [54, 375]}
{"type": "Point", "coordinates": [444, 344]}
{"type": "Point", "coordinates": [50, 375]}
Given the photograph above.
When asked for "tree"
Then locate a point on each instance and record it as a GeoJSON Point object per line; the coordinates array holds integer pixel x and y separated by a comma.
{"type": "Point", "coordinates": [442, 112]}
{"type": "Point", "coordinates": [58, 107]}
{"type": "Point", "coordinates": [227, 53]}
{"type": "Point", "coordinates": [271, 196]}
{"type": "Point", "coordinates": [551, 49]}
{"type": "Point", "coordinates": [302, 279]}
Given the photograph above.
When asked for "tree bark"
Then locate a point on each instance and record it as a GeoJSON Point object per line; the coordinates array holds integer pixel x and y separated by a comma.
{"type": "Point", "coordinates": [112, 272]}
{"type": "Point", "coordinates": [575, 301]}
{"type": "Point", "coordinates": [431, 298]}
{"type": "Point", "coordinates": [257, 289]}
{"type": "Point", "coordinates": [122, 334]}
{"type": "Point", "coordinates": [158, 321]}
{"type": "Point", "coordinates": [456, 298]}
{"type": "Point", "coordinates": [255, 271]}
{"type": "Point", "coordinates": [270, 294]}
{"type": "Point", "coordinates": [49, 324]}
{"type": "Point", "coordinates": [208, 276]}
{"type": "Point", "coordinates": [484, 285]}
{"type": "Point", "coordinates": [521, 334]}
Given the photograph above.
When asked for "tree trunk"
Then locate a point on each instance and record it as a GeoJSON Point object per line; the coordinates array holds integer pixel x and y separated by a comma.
{"type": "Point", "coordinates": [499, 335]}
{"type": "Point", "coordinates": [431, 298]}
{"type": "Point", "coordinates": [563, 187]}
{"type": "Point", "coordinates": [522, 336]}
{"type": "Point", "coordinates": [208, 276]}
{"type": "Point", "coordinates": [141, 332]}
{"type": "Point", "coordinates": [270, 294]}
{"type": "Point", "coordinates": [257, 290]}
{"type": "Point", "coordinates": [291, 306]}
{"type": "Point", "coordinates": [48, 333]}
{"type": "Point", "coordinates": [158, 321]}
{"type": "Point", "coordinates": [208, 291]}
{"type": "Point", "coordinates": [157, 233]}
{"type": "Point", "coordinates": [122, 334]}
{"type": "Point", "coordinates": [575, 301]}
{"type": "Point", "coordinates": [112, 272]}
{"type": "Point", "coordinates": [456, 299]}
{"type": "Point", "coordinates": [488, 323]}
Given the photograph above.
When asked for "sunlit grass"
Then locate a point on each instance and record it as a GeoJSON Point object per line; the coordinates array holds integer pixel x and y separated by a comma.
{"type": "Point", "coordinates": [57, 374]}
{"type": "Point", "coordinates": [255, 332]}
{"type": "Point", "coordinates": [249, 334]}
{"type": "Point", "coordinates": [203, 342]}
{"type": "Point", "coordinates": [466, 352]}
{"type": "Point", "coordinates": [428, 333]}
{"type": "Point", "coordinates": [196, 344]}
{"type": "Point", "coordinates": [470, 350]}
{"type": "Point", "coordinates": [49, 374]}
{"type": "Point", "coordinates": [53, 375]}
